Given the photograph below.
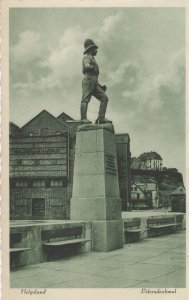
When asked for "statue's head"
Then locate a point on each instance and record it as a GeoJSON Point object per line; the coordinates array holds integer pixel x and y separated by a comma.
{"type": "Point", "coordinates": [90, 47]}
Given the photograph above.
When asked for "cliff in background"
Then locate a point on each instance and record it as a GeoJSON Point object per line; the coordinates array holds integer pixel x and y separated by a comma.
{"type": "Point", "coordinates": [167, 180]}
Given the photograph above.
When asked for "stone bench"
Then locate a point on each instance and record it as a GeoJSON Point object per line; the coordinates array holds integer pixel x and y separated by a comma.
{"type": "Point", "coordinates": [132, 230]}
{"type": "Point", "coordinates": [15, 238]}
{"type": "Point", "coordinates": [52, 239]}
{"type": "Point", "coordinates": [160, 226]}
{"type": "Point", "coordinates": [179, 221]}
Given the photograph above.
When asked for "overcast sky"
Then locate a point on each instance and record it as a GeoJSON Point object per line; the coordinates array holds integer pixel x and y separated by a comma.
{"type": "Point", "coordinates": [141, 57]}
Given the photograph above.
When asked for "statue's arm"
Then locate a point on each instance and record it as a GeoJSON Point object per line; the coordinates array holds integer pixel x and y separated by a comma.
{"type": "Point", "coordinates": [87, 65]}
{"type": "Point", "coordinates": [103, 87]}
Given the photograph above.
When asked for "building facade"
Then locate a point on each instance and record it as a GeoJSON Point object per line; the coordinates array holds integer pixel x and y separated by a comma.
{"type": "Point", "coordinates": [41, 163]}
{"type": "Point", "coordinates": [141, 198]}
{"type": "Point", "coordinates": [178, 200]}
{"type": "Point", "coordinates": [152, 187]}
{"type": "Point", "coordinates": [39, 169]}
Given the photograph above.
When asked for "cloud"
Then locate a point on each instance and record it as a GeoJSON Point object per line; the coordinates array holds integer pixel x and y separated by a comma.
{"type": "Point", "coordinates": [28, 48]}
{"type": "Point", "coordinates": [108, 26]}
{"type": "Point", "coordinates": [67, 52]}
{"type": "Point", "coordinates": [174, 77]}
{"type": "Point", "coordinates": [35, 66]}
{"type": "Point", "coordinates": [126, 72]}
{"type": "Point", "coordinates": [21, 88]}
{"type": "Point", "coordinates": [64, 62]}
{"type": "Point", "coordinates": [129, 78]}
{"type": "Point", "coordinates": [38, 68]}
{"type": "Point", "coordinates": [154, 90]}
{"type": "Point", "coordinates": [139, 91]}
{"type": "Point", "coordinates": [59, 66]}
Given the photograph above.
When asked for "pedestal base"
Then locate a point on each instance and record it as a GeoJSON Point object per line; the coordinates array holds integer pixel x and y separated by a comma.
{"type": "Point", "coordinates": [107, 235]}
{"type": "Point", "coordinates": [95, 195]}
{"type": "Point", "coordinates": [98, 209]}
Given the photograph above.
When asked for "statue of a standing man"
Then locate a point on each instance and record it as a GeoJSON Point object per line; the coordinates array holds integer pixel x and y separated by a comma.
{"type": "Point", "coordinates": [90, 85]}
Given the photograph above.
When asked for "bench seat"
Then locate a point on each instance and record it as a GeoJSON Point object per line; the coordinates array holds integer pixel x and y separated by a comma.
{"type": "Point", "coordinates": [18, 250]}
{"type": "Point", "coordinates": [56, 241]}
{"type": "Point", "coordinates": [66, 242]}
{"type": "Point", "coordinates": [162, 226]}
{"type": "Point", "coordinates": [134, 230]}
{"type": "Point", "coordinates": [15, 253]}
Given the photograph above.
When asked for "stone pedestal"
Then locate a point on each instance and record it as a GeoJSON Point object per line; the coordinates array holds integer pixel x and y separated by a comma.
{"type": "Point", "coordinates": [95, 185]}
{"type": "Point", "coordinates": [107, 235]}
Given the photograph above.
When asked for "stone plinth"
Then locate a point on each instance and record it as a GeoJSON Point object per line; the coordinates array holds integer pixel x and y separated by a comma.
{"type": "Point", "coordinates": [95, 185]}
{"type": "Point", "coordinates": [107, 235]}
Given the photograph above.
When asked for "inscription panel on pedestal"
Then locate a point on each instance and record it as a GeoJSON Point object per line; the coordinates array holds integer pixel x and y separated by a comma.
{"type": "Point", "coordinates": [110, 164]}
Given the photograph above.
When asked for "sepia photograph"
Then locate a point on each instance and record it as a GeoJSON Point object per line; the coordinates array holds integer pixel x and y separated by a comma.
{"type": "Point", "coordinates": [96, 147]}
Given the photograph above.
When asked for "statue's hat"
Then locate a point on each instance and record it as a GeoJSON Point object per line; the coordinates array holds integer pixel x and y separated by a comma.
{"type": "Point", "coordinates": [88, 44]}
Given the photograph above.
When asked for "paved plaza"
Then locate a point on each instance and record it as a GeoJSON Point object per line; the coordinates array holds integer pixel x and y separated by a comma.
{"type": "Point", "coordinates": [150, 263]}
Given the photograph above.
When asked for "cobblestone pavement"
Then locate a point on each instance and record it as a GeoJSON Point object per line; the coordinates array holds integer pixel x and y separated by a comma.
{"type": "Point", "coordinates": [151, 263]}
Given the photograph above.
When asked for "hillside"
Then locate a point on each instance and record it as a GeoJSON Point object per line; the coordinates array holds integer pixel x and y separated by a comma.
{"type": "Point", "coordinates": [166, 180]}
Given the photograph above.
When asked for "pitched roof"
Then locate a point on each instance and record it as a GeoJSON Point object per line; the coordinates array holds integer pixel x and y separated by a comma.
{"type": "Point", "coordinates": [138, 187]}
{"type": "Point", "coordinates": [13, 128]}
{"type": "Point", "coordinates": [64, 117]}
{"type": "Point", "coordinates": [141, 186]}
{"type": "Point", "coordinates": [11, 124]}
{"type": "Point", "coordinates": [179, 191]}
{"type": "Point", "coordinates": [43, 115]}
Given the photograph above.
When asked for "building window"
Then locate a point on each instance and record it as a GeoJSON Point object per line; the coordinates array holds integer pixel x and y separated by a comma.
{"type": "Point", "coordinates": [134, 188]}
{"type": "Point", "coordinates": [21, 183]}
{"type": "Point", "coordinates": [56, 201]}
{"type": "Point", "coordinates": [56, 182]}
{"type": "Point", "coordinates": [38, 183]}
{"type": "Point", "coordinates": [21, 202]}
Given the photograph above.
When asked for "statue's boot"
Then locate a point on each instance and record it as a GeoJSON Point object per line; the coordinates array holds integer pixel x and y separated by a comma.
{"type": "Point", "coordinates": [102, 111]}
{"type": "Point", "coordinates": [102, 120]}
{"type": "Point", "coordinates": [83, 108]}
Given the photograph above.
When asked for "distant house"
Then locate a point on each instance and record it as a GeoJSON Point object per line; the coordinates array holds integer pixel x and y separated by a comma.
{"type": "Point", "coordinates": [148, 161]}
{"type": "Point", "coordinates": [164, 198]}
{"type": "Point", "coordinates": [141, 185]}
{"type": "Point", "coordinates": [178, 199]}
{"type": "Point", "coordinates": [140, 197]}
{"type": "Point", "coordinates": [153, 188]}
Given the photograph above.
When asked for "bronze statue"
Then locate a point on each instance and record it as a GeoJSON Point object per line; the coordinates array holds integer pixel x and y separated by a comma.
{"type": "Point", "coordinates": [90, 85]}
